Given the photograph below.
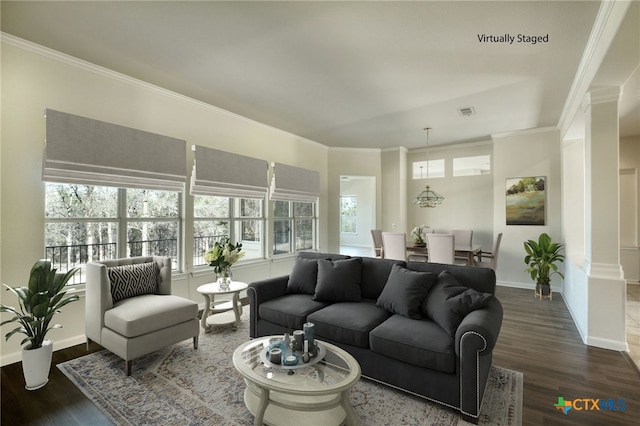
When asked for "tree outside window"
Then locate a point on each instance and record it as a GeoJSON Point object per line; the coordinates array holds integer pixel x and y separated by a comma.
{"type": "Point", "coordinates": [348, 214]}
{"type": "Point", "coordinates": [86, 223]}
{"type": "Point", "coordinates": [294, 227]}
{"type": "Point", "coordinates": [241, 220]}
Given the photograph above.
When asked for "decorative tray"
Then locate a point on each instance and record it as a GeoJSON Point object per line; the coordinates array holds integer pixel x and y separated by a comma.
{"type": "Point", "coordinates": [321, 352]}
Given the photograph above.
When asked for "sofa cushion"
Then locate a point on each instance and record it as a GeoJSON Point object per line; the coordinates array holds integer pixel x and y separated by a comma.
{"type": "Point", "coordinates": [405, 290]}
{"type": "Point", "coordinates": [339, 280]}
{"type": "Point", "coordinates": [374, 275]}
{"type": "Point", "coordinates": [289, 311]}
{"type": "Point", "coordinates": [133, 280]}
{"type": "Point", "coordinates": [418, 342]}
{"type": "Point", "coordinates": [303, 276]}
{"type": "Point", "coordinates": [348, 322]}
{"type": "Point", "coordinates": [481, 279]}
{"type": "Point", "coordinates": [143, 314]}
{"type": "Point", "coordinates": [449, 302]}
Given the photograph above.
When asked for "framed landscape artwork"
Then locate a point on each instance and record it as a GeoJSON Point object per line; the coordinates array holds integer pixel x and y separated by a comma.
{"type": "Point", "coordinates": [525, 199]}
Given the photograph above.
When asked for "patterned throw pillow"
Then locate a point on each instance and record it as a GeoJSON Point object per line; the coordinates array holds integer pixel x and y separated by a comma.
{"type": "Point", "coordinates": [133, 280]}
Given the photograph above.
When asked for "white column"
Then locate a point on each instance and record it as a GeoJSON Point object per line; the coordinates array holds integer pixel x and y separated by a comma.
{"type": "Point", "coordinates": [606, 285]}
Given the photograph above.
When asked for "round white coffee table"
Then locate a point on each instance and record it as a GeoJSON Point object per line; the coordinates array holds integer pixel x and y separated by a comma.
{"type": "Point", "coordinates": [214, 312]}
{"type": "Point", "coordinates": [312, 395]}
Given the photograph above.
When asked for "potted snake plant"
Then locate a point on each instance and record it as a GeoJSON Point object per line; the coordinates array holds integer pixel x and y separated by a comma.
{"type": "Point", "coordinates": [541, 259]}
{"type": "Point", "coordinates": [38, 303]}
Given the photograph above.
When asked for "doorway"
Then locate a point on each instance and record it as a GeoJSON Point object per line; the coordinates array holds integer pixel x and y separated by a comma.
{"type": "Point", "coordinates": [357, 214]}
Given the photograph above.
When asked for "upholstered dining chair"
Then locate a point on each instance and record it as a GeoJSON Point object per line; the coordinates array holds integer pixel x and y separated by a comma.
{"type": "Point", "coordinates": [394, 245]}
{"type": "Point", "coordinates": [463, 237]}
{"type": "Point", "coordinates": [376, 234]}
{"type": "Point", "coordinates": [441, 248]}
{"type": "Point", "coordinates": [130, 310]}
{"type": "Point", "coordinates": [492, 256]}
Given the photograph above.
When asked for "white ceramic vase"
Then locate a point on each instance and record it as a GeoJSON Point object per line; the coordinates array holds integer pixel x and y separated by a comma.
{"type": "Point", "coordinates": [36, 364]}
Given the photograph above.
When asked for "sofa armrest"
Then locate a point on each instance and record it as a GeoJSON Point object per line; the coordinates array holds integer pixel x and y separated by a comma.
{"type": "Point", "coordinates": [484, 324]}
{"type": "Point", "coordinates": [475, 339]}
{"type": "Point", "coordinates": [260, 292]}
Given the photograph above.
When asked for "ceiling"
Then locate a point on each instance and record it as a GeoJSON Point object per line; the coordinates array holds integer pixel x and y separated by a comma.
{"type": "Point", "coordinates": [344, 74]}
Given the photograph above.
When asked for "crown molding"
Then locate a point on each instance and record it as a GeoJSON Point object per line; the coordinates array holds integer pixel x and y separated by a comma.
{"type": "Point", "coordinates": [360, 150]}
{"type": "Point", "coordinates": [608, 20]}
{"type": "Point", "coordinates": [125, 79]}
{"type": "Point", "coordinates": [524, 132]}
{"type": "Point", "coordinates": [601, 95]}
{"type": "Point", "coordinates": [399, 148]}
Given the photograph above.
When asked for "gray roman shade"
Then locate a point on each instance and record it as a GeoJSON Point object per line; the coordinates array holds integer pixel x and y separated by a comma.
{"type": "Point", "coordinates": [294, 184]}
{"type": "Point", "coordinates": [223, 174]}
{"type": "Point", "coordinates": [91, 152]}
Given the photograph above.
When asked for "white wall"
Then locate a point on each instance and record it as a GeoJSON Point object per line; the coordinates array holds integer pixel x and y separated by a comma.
{"type": "Point", "coordinates": [574, 229]}
{"type": "Point", "coordinates": [521, 154]}
{"type": "Point", "coordinates": [34, 79]}
{"type": "Point", "coordinates": [630, 208]}
{"type": "Point", "coordinates": [468, 200]}
{"type": "Point", "coordinates": [394, 190]}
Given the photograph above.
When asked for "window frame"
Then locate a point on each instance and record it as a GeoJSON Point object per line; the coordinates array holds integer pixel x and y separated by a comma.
{"type": "Point", "coordinates": [293, 218]}
{"type": "Point", "coordinates": [122, 222]}
{"type": "Point", "coordinates": [235, 220]}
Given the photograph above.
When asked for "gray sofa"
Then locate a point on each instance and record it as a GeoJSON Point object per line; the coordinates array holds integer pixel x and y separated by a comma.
{"type": "Point", "coordinates": [426, 328]}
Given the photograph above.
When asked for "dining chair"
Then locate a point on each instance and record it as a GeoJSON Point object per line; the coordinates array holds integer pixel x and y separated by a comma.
{"type": "Point", "coordinates": [376, 234]}
{"type": "Point", "coordinates": [492, 255]}
{"type": "Point", "coordinates": [441, 248]}
{"type": "Point", "coordinates": [394, 245]}
{"type": "Point", "coordinates": [463, 237]}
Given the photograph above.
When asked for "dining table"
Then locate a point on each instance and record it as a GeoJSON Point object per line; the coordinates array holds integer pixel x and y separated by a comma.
{"type": "Point", "coordinates": [461, 250]}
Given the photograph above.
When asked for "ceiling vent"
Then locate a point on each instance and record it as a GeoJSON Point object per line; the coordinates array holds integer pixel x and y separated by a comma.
{"type": "Point", "coordinates": [467, 111]}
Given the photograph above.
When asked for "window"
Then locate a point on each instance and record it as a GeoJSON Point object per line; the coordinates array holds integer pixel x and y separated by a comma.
{"type": "Point", "coordinates": [92, 223]}
{"type": "Point", "coordinates": [242, 220]}
{"type": "Point", "coordinates": [472, 166]}
{"type": "Point", "coordinates": [436, 169]}
{"type": "Point", "coordinates": [294, 227]}
{"type": "Point", "coordinates": [348, 212]}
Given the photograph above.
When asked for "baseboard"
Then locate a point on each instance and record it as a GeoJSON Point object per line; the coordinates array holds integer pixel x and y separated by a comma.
{"type": "Point", "coordinates": [526, 286]}
{"type": "Point", "coordinates": [613, 345]}
{"type": "Point", "coordinates": [14, 357]}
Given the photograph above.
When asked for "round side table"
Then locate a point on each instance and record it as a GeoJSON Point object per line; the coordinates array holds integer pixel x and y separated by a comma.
{"type": "Point", "coordinates": [212, 308]}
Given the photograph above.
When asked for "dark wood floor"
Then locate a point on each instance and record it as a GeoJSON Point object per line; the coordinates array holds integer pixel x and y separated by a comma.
{"type": "Point", "coordinates": [537, 338]}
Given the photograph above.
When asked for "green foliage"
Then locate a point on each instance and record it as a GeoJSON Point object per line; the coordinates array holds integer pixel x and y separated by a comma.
{"type": "Point", "coordinates": [542, 257]}
{"type": "Point", "coordinates": [39, 302]}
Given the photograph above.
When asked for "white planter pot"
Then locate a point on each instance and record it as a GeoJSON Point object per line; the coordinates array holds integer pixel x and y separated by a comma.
{"type": "Point", "coordinates": [36, 364]}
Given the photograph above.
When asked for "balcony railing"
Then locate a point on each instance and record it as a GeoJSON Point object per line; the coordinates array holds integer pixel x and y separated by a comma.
{"type": "Point", "coordinates": [64, 258]}
{"type": "Point", "coordinates": [164, 247]}
{"type": "Point", "coordinates": [203, 244]}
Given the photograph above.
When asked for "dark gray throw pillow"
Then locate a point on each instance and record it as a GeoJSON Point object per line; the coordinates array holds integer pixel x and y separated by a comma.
{"type": "Point", "coordinates": [303, 276]}
{"type": "Point", "coordinates": [133, 280]}
{"type": "Point", "coordinates": [339, 280]}
{"type": "Point", "coordinates": [405, 290]}
{"type": "Point", "coordinates": [449, 302]}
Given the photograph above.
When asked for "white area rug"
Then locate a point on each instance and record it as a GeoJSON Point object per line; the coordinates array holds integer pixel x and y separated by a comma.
{"type": "Point", "coordinates": [182, 386]}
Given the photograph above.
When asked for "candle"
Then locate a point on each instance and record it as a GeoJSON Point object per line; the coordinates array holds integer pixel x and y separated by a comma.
{"type": "Point", "coordinates": [309, 332]}
{"type": "Point", "coordinates": [274, 356]}
{"type": "Point", "coordinates": [298, 338]}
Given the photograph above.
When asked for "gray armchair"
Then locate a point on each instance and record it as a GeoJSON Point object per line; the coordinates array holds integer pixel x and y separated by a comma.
{"type": "Point", "coordinates": [130, 311]}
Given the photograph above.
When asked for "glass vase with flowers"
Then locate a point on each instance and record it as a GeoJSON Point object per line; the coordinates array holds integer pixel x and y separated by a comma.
{"type": "Point", "coordinates": [221, 257]}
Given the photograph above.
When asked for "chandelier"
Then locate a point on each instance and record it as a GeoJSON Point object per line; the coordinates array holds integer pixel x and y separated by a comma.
{"type": "Point", "coordinates": [428, 197]}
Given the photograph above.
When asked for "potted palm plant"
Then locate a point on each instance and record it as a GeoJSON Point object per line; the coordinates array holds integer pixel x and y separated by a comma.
{"type": "Point", "coordinates": [38, 303]}
{"type": "Point", "coordinates": [542, 257]}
